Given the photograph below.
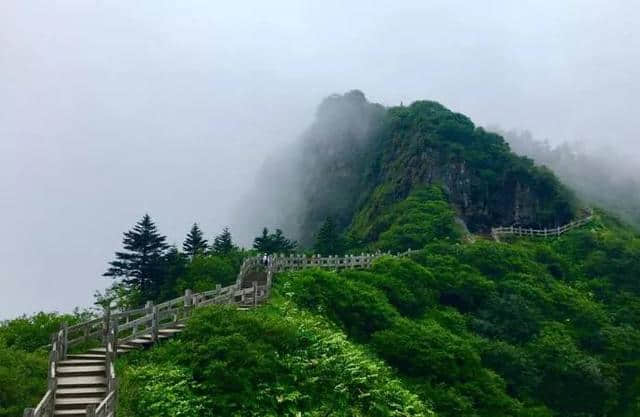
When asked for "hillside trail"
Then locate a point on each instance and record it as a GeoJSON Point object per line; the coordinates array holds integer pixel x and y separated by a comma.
{"type": "Point", "coordinates": [84, 383]}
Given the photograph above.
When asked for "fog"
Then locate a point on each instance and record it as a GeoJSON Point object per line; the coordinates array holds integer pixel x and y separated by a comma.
{"type": "Point", "coordinates": [111, 109]}
{"type": "Point", "coordinates": [603, 175]}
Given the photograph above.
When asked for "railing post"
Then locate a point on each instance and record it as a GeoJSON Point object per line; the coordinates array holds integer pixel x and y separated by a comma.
{"type": "Point", "coordinates": [106, 321]}
{"type": "Point", "coordinates": [188, 300]}
{"type": "Point", "coordinates": [114, 332]}
{"type": "Point", "coordinates": [65, 336]}
{"type": "Point", "coordinates": [51, 372]}
{"type": "Point", "coordinates": [154, 324]}
{"type": "Point", "coordinates": [255, 293]}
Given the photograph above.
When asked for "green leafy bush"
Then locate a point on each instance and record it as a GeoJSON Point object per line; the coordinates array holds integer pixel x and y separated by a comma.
{"type": "Point", "coordinates": [359, 308]}
{"type": "Point", "coordinates": [23, 379]}
{"type": "Point", "coordinates": [275, 361]}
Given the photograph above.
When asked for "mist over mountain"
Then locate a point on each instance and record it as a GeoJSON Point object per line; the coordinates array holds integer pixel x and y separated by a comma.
{"type": "Point", "coordinates": [316, 176]}
{"type": "Point", "coordinates": [359, 157]}
{"type": "Point", "coordinates": [604, 175]}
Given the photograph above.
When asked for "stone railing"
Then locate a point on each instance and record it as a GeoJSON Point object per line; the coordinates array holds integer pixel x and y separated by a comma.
{"type": "Point", "coordinates": [498, 232]}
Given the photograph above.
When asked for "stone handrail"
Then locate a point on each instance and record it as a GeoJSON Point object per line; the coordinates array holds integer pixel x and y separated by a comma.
{"type": "Point", "coordinates": [497, 232]}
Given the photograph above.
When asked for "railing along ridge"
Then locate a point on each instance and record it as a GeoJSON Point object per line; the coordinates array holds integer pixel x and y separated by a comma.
{"type": "Point", "coordinates": [114, 327]}
{"type": "Point", "coordinates": [283, 262]}
{"type": "Point", "coordinates": [496, 232]}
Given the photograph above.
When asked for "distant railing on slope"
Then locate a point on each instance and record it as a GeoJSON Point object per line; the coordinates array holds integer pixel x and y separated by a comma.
{"type": "Point", "coordinates": [295, 261]}
{"type": "Point", "coordinates": [498, 232]}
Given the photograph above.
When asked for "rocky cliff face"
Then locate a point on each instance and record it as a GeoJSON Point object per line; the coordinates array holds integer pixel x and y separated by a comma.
{"type": "Point", "coordinates": [360, 157]}
{"type": "Point", "coordinates": [511, 200]}
{"type": "Point", "coordinates": [426, 144]}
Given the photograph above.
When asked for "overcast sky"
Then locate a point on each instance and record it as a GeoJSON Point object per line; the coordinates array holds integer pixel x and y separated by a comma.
{"type": "Point", "coordinates": [110, 109]}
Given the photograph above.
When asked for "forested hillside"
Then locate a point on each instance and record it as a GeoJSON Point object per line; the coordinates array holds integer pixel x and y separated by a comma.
{"type": "Point", "coordinates": [464, 326]}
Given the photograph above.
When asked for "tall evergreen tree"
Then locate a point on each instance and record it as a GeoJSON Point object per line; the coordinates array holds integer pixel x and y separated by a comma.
{"type": "Point", "coordinates": [273, 242]}
{"type": "Point", "coordinates": [223, 244]}
{"type": "Point", "coordinates": [262, 243]}
{"type": "Point", "coordinates": [194, 244]}
{"type": "Point", "coordinates": [328, 240]}
{"type": "Point", "coordinates": [281, 244]}
{"type": "Point", "coordinates": [141, 264]}
{"type": "Point", "coordinates": [175, 266]}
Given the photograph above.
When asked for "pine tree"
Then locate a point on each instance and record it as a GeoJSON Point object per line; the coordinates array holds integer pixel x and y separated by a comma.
{"type": "Point", "coordinates": [223, 244]}
{"type": "Point", "coordinates": [273, 242]}
{"type": "Point", "coordinates": [194, 244]}
{"type": "Point", "coordinates": [175, 266]}
{"type": "Point", "coordinates": [141, 264]}
{"type": "Point", "coordinates": [262, 243]}
{"type": "Point", "coordinates": [328, 240]}
{"type": "Point", "coordinates": [281, 244]}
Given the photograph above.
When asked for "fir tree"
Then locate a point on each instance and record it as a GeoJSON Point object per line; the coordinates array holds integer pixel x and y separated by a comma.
{"type": "Point", "coordinates": [281, 244]}
{"type": "Point", "coordinates": [175, 266]}
{"type": "Point", "coordinates": [273, 242]}
{"type": "Point", "coordinates": [222, 244]}
{"type": "Point", "coordinates": [194, 244]}
{"type": "Point", "coordinates": [328, 240]}
{"type": "Point", "coordinates": [262, 243]}
{"type": "Point", "coordinates": [141, 264]}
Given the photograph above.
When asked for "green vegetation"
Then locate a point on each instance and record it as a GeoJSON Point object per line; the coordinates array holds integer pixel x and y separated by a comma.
{"type": "Point", "coordinates": [329, 241]}
{"type": "Point", "coordinates": [23, 358]}
{"type": "Point", "coordinates": [424, 216]}
{"type": "Point", "coordinates": [275, 361]}
{"type": "Point", "coordinates": [535, 328]}
{"type": "Point", "coordinates": [532, 328]}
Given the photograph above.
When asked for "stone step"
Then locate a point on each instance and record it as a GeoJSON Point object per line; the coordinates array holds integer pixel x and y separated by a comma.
{"type": "Point", "coordinates": [125, 345]}
{"type": "Point", "coordinates": [85, 356]}
{"type": "Point", "coordinates": [98, 351]}
{"type": "Point", "coordinates": [160, 336]}
{"type": "Point", "coordinates": [78, 412]}
{"type": "Point", "coordinates": [81, 362]}
{"type": "Point", "coordinates": [139, 342]}
{"type": "Point", "coordinates": [80, 370]}
{"type": "Point", "coordinates": [81, 392]}
{"type": "Point", "coordinates": [81, 381]}
{"type": "Point", "coordinates": [170, 331]}
{"type": "Point", "coordinates": [76, 402]}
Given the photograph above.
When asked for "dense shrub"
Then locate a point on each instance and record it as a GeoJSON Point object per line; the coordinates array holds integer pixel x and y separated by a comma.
{"type": "Point", "coordinates": [359, 308]}
{"type": "Point", "coordinates": [204, 272]}
{"type": "Point", "coordinates": [29, 333]}
{"type": "Point", "coordinates": [276, 361]}
{"type": "Point", "coordinates": [23, 379]}
{"type": "Point", "coordinates": [427, 350]}
{"type": "Point", "coordinates": [23, 358]}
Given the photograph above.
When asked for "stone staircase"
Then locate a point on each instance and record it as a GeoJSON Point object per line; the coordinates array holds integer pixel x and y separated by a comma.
{"type": "Point", "coordinates": [81, 377]}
